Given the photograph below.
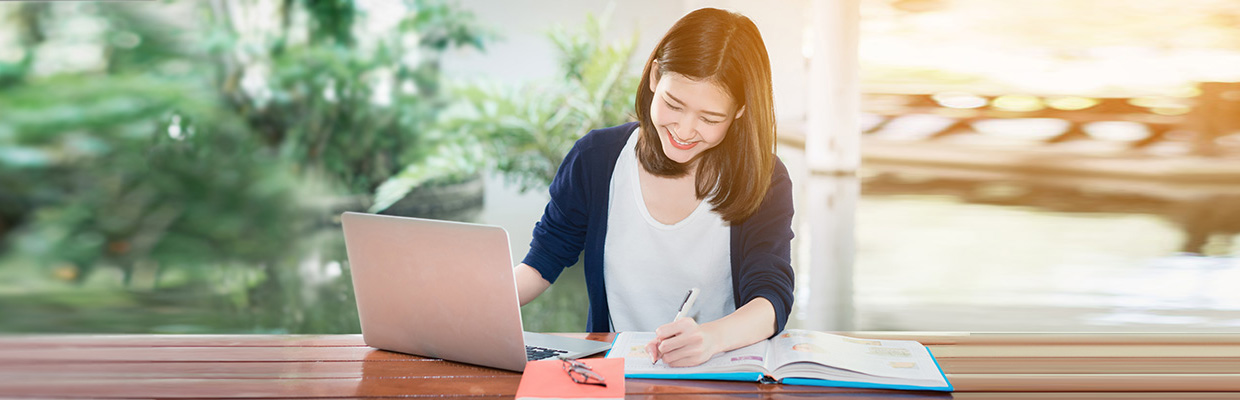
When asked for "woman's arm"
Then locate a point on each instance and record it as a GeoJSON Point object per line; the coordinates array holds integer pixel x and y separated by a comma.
{"type": "Point", "coordinates": [530, 283]}
{"type": "Point", "coordinates": [684, 343]}
{"type": "Point", "coordinates": [762, 252]}
{"type": "Point", "coordinates": [560, 235]}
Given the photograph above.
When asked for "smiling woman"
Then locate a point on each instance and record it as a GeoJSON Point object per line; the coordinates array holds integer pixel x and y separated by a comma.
{"type": "Point", "coordinates": [690, 196]}
{"type": "Point", "coordinates": [718, 79]}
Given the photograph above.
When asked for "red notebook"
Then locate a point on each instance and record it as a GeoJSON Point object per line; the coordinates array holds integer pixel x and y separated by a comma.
{"type": "Point", "coordinates": [546, 379]}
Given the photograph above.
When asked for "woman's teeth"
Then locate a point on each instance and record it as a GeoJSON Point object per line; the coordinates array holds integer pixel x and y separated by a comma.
{"type": "Point", "coordinates": [677, 139]}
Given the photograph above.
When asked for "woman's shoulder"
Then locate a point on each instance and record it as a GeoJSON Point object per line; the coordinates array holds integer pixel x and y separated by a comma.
{"type": "Point", "coordinates": [610, 139]}
{"type": "Point", "coordinates": [777, 203]}
{"type": "Point", "coordinates": [780, 171]}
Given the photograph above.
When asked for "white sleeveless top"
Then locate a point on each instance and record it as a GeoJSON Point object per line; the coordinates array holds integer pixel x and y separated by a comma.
{"type": "Point", "coordinates": [649, 266]}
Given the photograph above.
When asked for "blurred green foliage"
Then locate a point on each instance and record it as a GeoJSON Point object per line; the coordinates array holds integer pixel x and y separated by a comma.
{"type": "Point", "coordinates": [525, 130]}
{"type": "Point", "coordinates": [155, 176]}
{"type": "Point", "coordinates": [531, 127]}
{"type": "Point", "coordinates": [139, 169]}
{"type": "Point", "coordinates": [176, 166]}
{"type": "Point", "coordinates": [353, 113]}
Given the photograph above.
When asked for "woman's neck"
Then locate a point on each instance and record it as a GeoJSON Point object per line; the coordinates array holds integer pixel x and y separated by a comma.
{"type": "Point", "coordinates": [668, 200]}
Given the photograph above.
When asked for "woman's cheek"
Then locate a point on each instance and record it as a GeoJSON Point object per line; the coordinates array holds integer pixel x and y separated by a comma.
{"type": "Point", "coordinates": [716, 134]}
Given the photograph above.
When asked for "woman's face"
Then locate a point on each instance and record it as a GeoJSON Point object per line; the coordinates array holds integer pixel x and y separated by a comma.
{"type": "Point", "coordinates": [690, 116]}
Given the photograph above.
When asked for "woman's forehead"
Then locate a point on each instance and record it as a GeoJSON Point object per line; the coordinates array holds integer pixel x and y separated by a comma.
{"type": "Point", "coordinates": [703, 94]}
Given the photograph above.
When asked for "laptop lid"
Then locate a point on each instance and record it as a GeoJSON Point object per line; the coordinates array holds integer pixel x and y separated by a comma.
{"type": "Point", "coordinates": [435, 289]}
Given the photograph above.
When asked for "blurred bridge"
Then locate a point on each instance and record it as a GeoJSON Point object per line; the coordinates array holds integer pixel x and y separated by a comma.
{"type": "Point", "coordinates": [1072, 167]}
{"type": "Point", "coordinates": [1203, 117]}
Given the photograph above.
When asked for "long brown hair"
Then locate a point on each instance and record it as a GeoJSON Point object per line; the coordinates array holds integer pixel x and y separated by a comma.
{"type": "Point", "coordinates": [724, 48]}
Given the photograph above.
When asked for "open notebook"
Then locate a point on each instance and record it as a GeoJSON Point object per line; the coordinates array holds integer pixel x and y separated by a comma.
{"type": "Point", "coordinates": [799, 357]}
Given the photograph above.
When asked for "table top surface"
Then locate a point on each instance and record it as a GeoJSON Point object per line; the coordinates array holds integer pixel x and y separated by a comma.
{"type": "Point", "coordinates": [979, 365]}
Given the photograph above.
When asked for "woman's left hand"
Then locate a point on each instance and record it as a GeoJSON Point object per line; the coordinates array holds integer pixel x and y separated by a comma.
{"type": "Point", "coordinates": [682, 343]}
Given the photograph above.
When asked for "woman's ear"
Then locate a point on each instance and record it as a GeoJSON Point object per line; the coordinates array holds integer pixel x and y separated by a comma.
{"type": "Point", "coordinates": [654, 75]}
{"type": "Point", "coordinates": [740, 112]}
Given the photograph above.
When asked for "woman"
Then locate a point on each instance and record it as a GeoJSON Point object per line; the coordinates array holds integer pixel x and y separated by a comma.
{"type": "Point", "coordinates": [690, 195]}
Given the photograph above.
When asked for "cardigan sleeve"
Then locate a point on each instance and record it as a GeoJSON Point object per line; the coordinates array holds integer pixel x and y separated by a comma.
{"type": "Point", "coordinates": [765, 268]}
{"type": "Point", "coordinates": [560, 235]}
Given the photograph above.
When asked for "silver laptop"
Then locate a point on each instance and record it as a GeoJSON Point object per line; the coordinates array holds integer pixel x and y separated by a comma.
{"type": "Point", "coordinates": [444, 290]}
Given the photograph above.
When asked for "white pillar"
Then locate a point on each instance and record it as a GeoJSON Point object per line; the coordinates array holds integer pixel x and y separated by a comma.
{"type": "Point", "coordinates": [833, 154]}
{"type": "Point", "coordinates": [833, 135]}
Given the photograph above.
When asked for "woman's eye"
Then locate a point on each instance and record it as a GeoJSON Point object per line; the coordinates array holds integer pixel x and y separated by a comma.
{"type": "Point", "coordinates": [710, 122]}
{"type": "Point", "coordinates": [669, 105]}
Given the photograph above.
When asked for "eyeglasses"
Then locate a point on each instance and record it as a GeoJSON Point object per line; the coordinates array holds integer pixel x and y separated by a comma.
{"type": "Point", "coordinates": [582, 373]}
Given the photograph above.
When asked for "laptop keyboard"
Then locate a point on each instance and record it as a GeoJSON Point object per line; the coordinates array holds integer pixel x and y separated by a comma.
{"type": "Point", "coordinates": [538, 353]}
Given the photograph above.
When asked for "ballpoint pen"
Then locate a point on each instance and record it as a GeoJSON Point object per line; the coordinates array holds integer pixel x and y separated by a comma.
{"type": "Point", "coordinates": [683, 312]}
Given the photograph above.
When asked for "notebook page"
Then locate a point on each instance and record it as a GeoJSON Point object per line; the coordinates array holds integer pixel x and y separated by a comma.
{"type": "Point", "coordinates": [904, 359]}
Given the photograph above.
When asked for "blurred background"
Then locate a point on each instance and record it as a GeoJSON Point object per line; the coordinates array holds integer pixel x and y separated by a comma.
{"type": "Point", "coordinates": [179, 166]}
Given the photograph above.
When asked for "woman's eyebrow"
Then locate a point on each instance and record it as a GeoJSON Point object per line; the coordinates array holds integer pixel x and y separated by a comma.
{"type": "Point", "coordinates": [717, 114]}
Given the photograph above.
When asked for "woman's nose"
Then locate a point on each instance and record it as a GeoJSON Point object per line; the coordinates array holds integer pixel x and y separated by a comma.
{"type": "Point", "coordinates": [686, 128]}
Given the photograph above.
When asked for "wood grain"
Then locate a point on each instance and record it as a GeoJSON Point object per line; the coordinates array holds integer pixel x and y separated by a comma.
{"type": "Point", "coordinates": [981, 366]}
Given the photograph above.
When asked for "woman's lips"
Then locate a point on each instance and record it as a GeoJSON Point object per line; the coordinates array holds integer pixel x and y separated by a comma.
{"type": "Point", "coordinates": [678, 144]}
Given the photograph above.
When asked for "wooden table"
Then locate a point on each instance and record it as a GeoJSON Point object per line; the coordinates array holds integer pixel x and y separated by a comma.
{"type": "Point", "coordinates": [981, 366]}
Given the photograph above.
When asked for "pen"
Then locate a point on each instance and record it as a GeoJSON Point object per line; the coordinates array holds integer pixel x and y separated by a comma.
{"type": "Point", "coordinates": [684, 310]}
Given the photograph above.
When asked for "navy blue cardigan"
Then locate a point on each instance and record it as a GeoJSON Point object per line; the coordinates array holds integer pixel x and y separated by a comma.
{"type": "Point", "coordinates": [576, 219]}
